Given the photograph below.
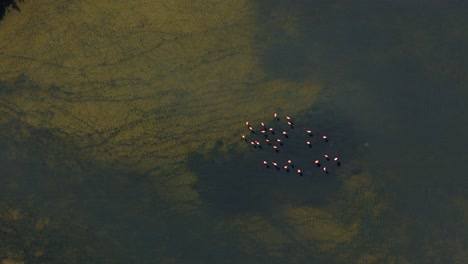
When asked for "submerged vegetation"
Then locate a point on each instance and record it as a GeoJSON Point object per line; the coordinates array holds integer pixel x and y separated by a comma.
{"type": "Point", "coordinates": [100, 123]}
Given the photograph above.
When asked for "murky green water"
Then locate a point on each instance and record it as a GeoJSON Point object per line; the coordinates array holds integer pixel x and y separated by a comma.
{"type": "Point", "coordinates": [120, 132]}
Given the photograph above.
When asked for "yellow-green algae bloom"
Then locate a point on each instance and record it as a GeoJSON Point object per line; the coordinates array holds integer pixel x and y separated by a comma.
{"type": "Point", "coordinates": [142, 89]}
{"type": "Point", "coordinates": [143, 85]}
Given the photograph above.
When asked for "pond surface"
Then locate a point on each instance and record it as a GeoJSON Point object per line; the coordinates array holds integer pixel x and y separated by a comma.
{"type": "Point", "coordinates": [121, 124]}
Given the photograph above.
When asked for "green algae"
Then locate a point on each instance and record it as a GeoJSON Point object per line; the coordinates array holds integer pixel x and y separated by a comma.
{"type": "Point", "coordinates": [143, 91]}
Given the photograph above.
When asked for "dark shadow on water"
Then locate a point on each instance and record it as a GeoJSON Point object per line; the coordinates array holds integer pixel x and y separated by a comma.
{"type": "Point", "coordinates": [6, 4]}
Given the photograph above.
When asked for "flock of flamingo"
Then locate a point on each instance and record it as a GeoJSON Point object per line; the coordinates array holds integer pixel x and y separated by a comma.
{"type": "Point", "coordinates": [284, 138]}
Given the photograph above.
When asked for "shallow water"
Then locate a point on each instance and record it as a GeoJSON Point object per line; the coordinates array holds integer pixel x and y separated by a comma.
{"type": "Point", "coordinates": [120, 141]}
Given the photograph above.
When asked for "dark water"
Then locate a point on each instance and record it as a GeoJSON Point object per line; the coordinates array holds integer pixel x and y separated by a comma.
{"type": "Point", "coordinates": [244, 184]}
{"type": "Point", "coordinates": [394, 72]}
